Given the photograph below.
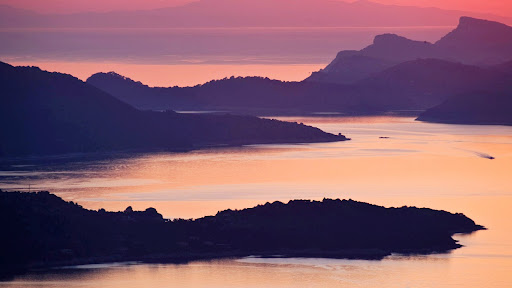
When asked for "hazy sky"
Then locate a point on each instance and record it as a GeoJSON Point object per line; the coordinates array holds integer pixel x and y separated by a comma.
{"type": "Point", "coordinates": [501, 7]}
{"type": "Point", "coordinates": [65, 6]}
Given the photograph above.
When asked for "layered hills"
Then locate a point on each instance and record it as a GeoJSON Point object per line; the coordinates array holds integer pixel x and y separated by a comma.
{"type": "Point", "coordinates": [413, 85]}
{"type": "Point", "coordinates": [392, 74]}
{"type": "Point", "coordinates": [474, 42]}
{"type": "Point", "coordinates": [52, 113]}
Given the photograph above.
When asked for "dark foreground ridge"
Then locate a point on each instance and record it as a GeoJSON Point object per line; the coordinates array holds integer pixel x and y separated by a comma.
{"type": "Point", "coordinates": [44, 113]}
{"type": "Point", "coordinates": [40, 230]}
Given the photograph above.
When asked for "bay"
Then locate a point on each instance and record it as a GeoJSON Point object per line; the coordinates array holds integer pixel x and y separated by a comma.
{"type": "Point", "coordinates": [417, 164]}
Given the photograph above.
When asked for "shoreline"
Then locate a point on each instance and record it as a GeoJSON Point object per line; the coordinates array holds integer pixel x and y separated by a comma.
{"type": "Point", "coordinates": [455, 122]}
{"type": "Point", "coordinates": [183, 259]}
{"type": "Point", "coordinates": [47, 232]}
{"type": "Point", "coordinates": [110, 153]}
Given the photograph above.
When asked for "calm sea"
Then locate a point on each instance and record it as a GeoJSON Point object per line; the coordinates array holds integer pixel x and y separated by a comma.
{"type": "Point", "coordinates": [183, 57]}
{"type": "Point", "coordinates": [420, 164]}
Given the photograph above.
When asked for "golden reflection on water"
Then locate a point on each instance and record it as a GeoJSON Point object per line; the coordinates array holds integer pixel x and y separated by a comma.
{"type": "Point", "coordinates": [414, 161]}
{"type": "Point", "coordinates": [420, 164]}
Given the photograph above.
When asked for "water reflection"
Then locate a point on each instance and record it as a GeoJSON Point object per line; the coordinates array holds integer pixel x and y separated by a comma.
{"type": "Point", "coordinates": [418, 159]}
{"type": "Point", "coordinates": [397, 271]}
{"type": "Point", "coordinates": [420, 164]}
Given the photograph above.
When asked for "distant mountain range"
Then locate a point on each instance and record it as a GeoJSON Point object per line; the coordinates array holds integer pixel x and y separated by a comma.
{"type": "Point", "coordinates": [394, 73]}
{"type": "Point", "coordinates": [52, 113]}
{"type": "Point", "coordinates": [247, 13]}
{"type": "Point", "coordinates": [412, 85]}
{"type": "Point", "coordinates": [473, 42]}
{"type": "Point", "coordinates": [249, 95]}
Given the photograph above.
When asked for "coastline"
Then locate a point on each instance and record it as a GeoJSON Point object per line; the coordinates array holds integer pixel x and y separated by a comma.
{"type": "Point", "coordinates": [49, 233]}
{"type": "Point", "coordinates": [455, 122]}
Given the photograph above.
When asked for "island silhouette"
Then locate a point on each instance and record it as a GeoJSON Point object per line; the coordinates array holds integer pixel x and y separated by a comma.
{"type": "Point", "coordinates": [43, 231]}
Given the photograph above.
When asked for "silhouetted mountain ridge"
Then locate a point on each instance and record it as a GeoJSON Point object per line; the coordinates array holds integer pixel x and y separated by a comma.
{"type": "Point", "coordinates": [478, 41]}
{"type": "Point", "coordinates": [247, 95]}
{"type": "Point", "coordinates": [423, 83]}
{"type": "Point", "coordinates": [54, 113]}
{"type": "Point", "coordinates": [473, 42]}
{"type": "Point", "coordinates": [492, 107]}
{"type": "Point", "coordinates": [396, 48]}
{"type": "Point", "coordinates": [413, 85]}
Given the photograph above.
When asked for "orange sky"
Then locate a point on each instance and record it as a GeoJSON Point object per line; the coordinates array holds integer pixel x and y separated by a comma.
{"type": "Point", "coordinates": [501, 7]}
